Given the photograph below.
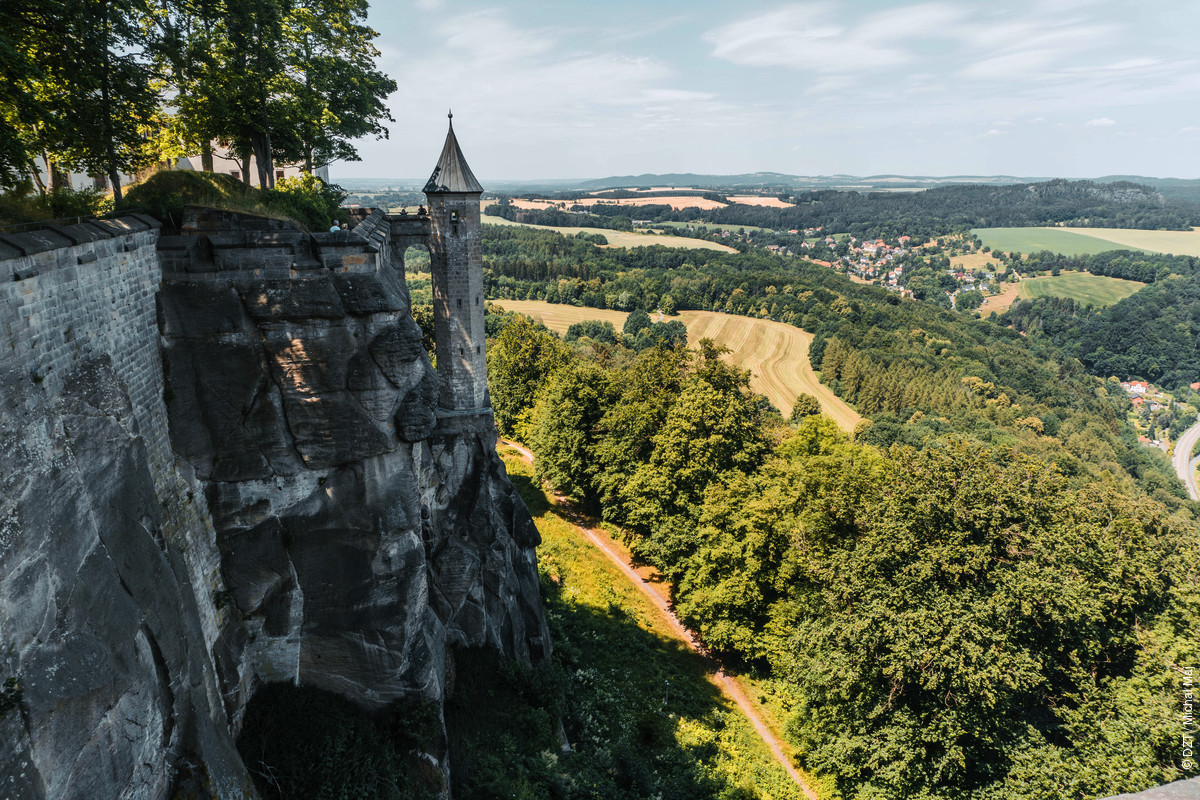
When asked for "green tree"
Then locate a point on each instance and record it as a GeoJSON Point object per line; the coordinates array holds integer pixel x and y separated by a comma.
{"type": "Point", "coordinates": [713, 427]}
{"type": "Point", "coordinates": [648, 387]}
{"type": "Point", "coordinates": [806, 405]}
{"type": "Point", "coordinates": [967, 610]}
{"type": "Point", "coordinates": [519, 361]}
{"type": "Point", "coordinates": [635, 322]}
{"type": "Point", "coordinates": [563, 427]}
{"type": "Point", "coordinates": [79, 88]}
{"type": "Point", "coordinates": [332, 93]}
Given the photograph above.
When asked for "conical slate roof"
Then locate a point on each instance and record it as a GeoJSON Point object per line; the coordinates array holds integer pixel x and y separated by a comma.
{"type": "Point", "coordinates": [452, 173]}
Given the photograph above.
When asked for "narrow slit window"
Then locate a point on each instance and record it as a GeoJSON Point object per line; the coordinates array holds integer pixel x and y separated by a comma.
{"type": "Point", "coordinates": [460, 302]}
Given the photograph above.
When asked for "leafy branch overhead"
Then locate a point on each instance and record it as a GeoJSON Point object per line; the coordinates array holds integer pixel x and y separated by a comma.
{"type": "Point", "coordinates": [112, 88]}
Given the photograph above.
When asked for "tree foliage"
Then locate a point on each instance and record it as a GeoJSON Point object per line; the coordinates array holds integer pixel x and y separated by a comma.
{"type": "Point", "coordinates": [112, 86]}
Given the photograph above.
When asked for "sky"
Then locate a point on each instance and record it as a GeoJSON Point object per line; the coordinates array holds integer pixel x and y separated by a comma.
{"type": "Point", "coordinates": [545, 89]}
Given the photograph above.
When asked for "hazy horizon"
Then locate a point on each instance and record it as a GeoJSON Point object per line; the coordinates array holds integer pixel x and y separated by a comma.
{"type": "Point", "coordinates": [544, 90]}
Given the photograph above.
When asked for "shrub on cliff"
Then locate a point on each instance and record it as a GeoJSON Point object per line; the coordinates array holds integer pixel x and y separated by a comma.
{"type": "Point", "coordinates": [306, 200]}
{"type": "Point", "coordinates": [22, 204]}
{"type": "Point", "coordinates": [164, 194]}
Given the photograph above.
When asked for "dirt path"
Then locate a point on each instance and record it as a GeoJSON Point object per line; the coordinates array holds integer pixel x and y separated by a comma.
{"type": "Point", "coordinates": [728, 685]}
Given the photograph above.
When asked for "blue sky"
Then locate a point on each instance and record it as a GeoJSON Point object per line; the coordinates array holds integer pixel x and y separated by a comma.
{"type": "Point", "coordinates": [572, 89]}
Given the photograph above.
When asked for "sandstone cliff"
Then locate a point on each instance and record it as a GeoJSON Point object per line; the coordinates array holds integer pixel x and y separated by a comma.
{"type": "Point", "coordinates": [314, 517]}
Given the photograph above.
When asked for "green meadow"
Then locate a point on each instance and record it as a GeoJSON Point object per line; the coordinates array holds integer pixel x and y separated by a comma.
{"type": "Point", "coordinates": [1086, 288]}
{"type": "Point", "coordinates": [1033, 240]}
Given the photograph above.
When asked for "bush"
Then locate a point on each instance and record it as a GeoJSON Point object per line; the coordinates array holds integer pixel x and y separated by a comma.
{"type": "Point", "coordinates": [22, 204]}
{"type": "Point", "coordinates": [304, 742]}
{"type": "Point", "coordinates": [308, 200]}
{"type": "Point", "coordinates": [164, 194]}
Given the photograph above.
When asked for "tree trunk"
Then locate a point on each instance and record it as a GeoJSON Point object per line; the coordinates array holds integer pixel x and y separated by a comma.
{"type": "Point", "coordinates": [37, 177]}
{"type": "Point", "coordinates": [110, 150]}
{"type": "Point", "coordinates": [58, 178]}
{"type": "Point", "coordinates": [261, 158]}
{"type": "Point", "coordinates": [114, 177]}
{"type": "Point", "coordinates": [206, 157]}
{"type": "Point", "coordinates": [308, 159]}
{"type": "Point", "coordinates": [245, 165]}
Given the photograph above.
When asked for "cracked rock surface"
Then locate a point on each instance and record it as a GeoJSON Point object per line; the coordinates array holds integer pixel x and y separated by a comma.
{"type": "Point", "coordinates": [97, 613]}
{"type": "Point", "coordinates": [363, 532]}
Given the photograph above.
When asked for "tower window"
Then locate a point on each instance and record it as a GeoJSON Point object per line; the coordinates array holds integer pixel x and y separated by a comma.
{"type": "Point", "coordinates": [454, 217]}
{"type": "Point", "coordinates": [460, 302]}
{"type": "Point", "coordinates": [460, 351]}
{"type": "Point", "coordinates": [476, 299]}
{"type": "Point", "coordinates": [476, 349]}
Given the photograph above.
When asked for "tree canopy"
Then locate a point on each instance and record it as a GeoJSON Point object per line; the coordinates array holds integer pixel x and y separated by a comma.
{"type": "Point", "coordinates": [112, 86]}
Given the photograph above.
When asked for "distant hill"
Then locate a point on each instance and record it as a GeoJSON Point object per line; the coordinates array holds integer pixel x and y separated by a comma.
{"type": "Point", "coordinates": [1170, 188]}
{"type": "Point", "coordinates": [759, 180]}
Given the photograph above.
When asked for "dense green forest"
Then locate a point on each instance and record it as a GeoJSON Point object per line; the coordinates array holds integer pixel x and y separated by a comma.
{"type": "Point", "coordinates": [1128, 264]}
{"type": "Point", "coordinates": [925, 214]}
{"type": "Point", "coordinates": [985, 592]}
{"type": "Point", "coordinates": [1152, 335]}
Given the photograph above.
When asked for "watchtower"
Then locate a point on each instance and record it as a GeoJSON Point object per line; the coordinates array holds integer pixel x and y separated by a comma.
{"type": "Point", "coordinates": [456, 258]}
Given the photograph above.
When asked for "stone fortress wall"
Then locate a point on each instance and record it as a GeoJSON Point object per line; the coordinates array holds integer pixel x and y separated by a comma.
{"type": "Point", "coordinates": [107, 559]}
{"type": "Point", "coordinates": [223, 463]}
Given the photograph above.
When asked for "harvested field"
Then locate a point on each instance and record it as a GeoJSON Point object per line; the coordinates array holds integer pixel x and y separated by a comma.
{"type": "Point", "coordinates": [650, 189]}
{"type": "Point", "coordinates": [676, 202]}
{"type": "Point", "coordinates": [974, 261]}
{"type": "Point", "coordinates": [775, 353]}
{"type": "Point", "coordinates": [999, 303]}
{"type": "Point", "coordinates": [528, 205]}
{"type": "Point", "coordinates": [622, 238]}
{"type": "Point", "coordinates": [758, 200]}
{"type": "Point", "coordinates": [1180, 243]}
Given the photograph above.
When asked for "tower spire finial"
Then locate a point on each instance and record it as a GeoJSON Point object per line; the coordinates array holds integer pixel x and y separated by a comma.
{"type": "Point", "coordinates": [450, 115]}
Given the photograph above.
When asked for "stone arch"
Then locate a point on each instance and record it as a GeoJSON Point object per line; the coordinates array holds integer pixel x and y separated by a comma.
{"type": "Point", "coordinates": [415, 258]}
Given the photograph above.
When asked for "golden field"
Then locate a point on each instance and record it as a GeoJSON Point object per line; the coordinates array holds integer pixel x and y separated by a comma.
{"type": "Point", "coordinates": [775, 353]}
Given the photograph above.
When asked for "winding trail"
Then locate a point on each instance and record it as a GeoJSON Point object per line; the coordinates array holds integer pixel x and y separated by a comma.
{"type": "Point", "coordinates": [728, 686]}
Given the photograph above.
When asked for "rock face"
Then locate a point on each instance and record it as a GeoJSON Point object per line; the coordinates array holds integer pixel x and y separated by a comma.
{"type": "Point", "coordinates": [362, 529]}
{"type": "Point", "coordinates": [105, 566]}
{"type": "Point", "coordinates": [313, 515]}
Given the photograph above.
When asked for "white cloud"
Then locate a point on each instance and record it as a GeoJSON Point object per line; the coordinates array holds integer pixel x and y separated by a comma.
{"type": "Point", "coordinates": [1100, 122]}
{"type": "Point", "coordinates": [805, 37]}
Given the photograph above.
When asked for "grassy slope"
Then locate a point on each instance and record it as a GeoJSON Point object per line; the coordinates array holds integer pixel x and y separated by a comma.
{"type": "Point", "coordinates": [590, 583]}
{"type": "Point", "coordinates": [1096, 290]}
{"type": "Point", "coordinates": [775, 352]}
{"type": "Point", "coordinates": [1058, 240]}
{"type": "Point", "coordinates": [622, 238]}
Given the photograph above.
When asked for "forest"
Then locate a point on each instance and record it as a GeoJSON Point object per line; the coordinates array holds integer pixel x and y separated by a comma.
{"type": "Point", "coordinates": [1152, 335]}
{"type": "Point", "coordinates": [985, 591]}
{"type": "Point", "coordinates": [952, 619]}
{"type": "Point", "coordinates": [930, 213]}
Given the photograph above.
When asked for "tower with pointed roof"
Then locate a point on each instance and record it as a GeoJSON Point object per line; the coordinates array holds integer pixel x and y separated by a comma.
{"type": "Point", "coordinates": [456, 258]}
